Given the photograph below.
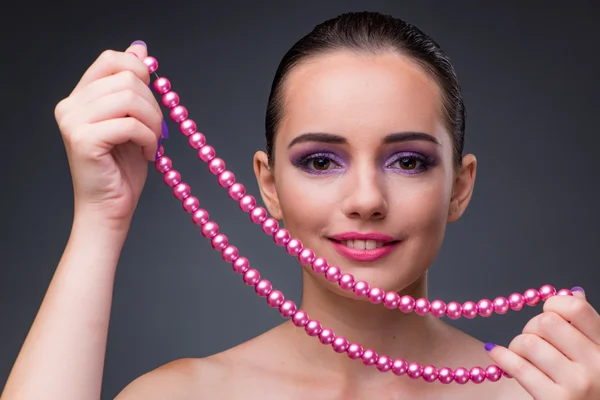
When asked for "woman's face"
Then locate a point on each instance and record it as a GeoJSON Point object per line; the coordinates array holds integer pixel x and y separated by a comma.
{"type": "Point", "coordinates": [363, 171]}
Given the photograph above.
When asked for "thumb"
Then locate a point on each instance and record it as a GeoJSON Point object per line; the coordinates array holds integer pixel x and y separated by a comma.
{"type": "Point", "coordinates": [138, 49]}
{"type": "Point", "coordinates": [578, 291]}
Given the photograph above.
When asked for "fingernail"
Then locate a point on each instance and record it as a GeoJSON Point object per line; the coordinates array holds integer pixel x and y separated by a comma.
{"type": "Point", "coordinates": [158, 149]}
{"type": "Point", "coordinates": [489, 346]}
{"type": "Point", "coordinates": [578, 289]}
{"type": "Point", "coordinates": [140, 42]}
{"type": "Point", "coordinates": [165, 130]}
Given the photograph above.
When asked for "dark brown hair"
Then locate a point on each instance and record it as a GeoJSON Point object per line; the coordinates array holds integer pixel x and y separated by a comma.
{"type": "Point", "coordinates": [374, 33]}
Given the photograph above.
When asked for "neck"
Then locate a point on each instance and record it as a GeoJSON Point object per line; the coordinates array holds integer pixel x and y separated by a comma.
{"type": "Point", "coordinates": [390, 332]}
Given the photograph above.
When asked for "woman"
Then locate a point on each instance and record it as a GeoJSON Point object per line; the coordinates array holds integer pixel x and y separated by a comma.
{"type": "Point", "coordinates": [364, 164]}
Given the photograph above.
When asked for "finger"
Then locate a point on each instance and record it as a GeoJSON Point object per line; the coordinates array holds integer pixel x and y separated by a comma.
{"type": "Point", "coordinates": [566, 338]}
{"type": "Point", "coordinates": [110, 62]}
{"type": "Point", "coordinates": [544, 356]}
{"type": "Point", "coordinates": [123, 130]}
{"type": "Point", "coordinates": [124, 80]}
{"type": "Point", "coordinates": [576, 310]}
{"type": "Point", "coordinates": [534, 381]}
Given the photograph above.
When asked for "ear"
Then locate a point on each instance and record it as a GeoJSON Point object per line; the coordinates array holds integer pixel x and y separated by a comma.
{"type": "Point", "coordinates": [464, 183]}
{"type": "Point", "coordinates": [266, 183]}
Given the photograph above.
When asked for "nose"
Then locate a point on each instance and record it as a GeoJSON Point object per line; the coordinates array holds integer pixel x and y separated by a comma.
{"type": "Point", "coordinates": [365, 195]}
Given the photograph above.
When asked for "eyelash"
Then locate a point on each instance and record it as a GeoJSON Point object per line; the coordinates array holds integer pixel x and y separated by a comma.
{"type": "Point", "coordinates": [424, 162]}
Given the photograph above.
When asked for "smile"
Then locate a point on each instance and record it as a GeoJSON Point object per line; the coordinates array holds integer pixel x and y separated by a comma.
{"type": "Point", "coordinates": [363, 247]}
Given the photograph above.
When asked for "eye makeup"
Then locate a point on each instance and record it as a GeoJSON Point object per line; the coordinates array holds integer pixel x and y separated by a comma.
{"type": "Point", "coordinates": [319, 162]}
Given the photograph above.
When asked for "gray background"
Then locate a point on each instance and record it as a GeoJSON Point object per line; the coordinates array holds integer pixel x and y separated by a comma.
{"type": "Point", "coordinates": [529, 75]}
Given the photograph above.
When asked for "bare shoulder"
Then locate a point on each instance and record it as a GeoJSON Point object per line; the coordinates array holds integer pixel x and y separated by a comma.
{"type": "Point", "coordinates": [180, 379]}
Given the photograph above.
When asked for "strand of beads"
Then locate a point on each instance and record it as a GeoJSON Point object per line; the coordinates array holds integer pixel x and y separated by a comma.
{"type": "Point", "coordinates": [307, 257]}
{"type": "Point", "coordinates": [288, 309]}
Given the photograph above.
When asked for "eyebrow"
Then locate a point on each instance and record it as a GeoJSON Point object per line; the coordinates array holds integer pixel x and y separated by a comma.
{"type": "Point", "coordinates": [396, 137]}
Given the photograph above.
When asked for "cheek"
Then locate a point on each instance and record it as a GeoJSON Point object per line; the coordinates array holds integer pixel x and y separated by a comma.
{"type": "Point", "coordinates": [306, 204]}
{"type": "Point", "coordinates": [423, 208]}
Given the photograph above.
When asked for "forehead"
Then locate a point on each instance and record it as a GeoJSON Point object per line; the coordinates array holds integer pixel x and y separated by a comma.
{"type": "Point", "coordinates": [356, 94]}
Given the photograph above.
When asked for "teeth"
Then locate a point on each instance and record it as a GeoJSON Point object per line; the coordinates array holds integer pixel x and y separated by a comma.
{"type": "Point", "coordinates": [362, 244]}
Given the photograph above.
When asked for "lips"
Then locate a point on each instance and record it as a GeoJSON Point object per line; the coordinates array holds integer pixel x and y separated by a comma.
{"type": "Point", "coordinates": [363, 247]}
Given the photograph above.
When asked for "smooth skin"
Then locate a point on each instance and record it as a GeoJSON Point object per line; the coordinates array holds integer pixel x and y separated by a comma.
{"type": "Point", "coordinates": [111, 124]}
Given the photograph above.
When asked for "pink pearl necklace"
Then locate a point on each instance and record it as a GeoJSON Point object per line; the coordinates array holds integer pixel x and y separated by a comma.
{"type": "Point", "coordinates": [332, 273]}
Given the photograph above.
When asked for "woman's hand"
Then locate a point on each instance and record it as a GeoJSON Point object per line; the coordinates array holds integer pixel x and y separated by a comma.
{"type": "Point", "coordinates": [110, 124]}
{"type": "Point", "coordinates": [557, 357]}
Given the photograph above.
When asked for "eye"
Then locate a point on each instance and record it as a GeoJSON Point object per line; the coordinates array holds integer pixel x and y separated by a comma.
{"type": "Point", "coordinates": [320, 163]}
{"type": "Point", "coordinates": [409, 163]}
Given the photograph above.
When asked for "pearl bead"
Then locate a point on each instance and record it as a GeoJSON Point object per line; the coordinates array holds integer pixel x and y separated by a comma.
{"type": "Point", "coordinates": [369, 357]}
{"type": "Point", "coordinates": [251, 277]}
{"type": "Point", "coordinates": [275, 299]}
{"type": "Point", "coordinates": [422, 306]}
{"type": "Point", "coordinates": [226, 179]}
{"type": "Point", "coordinates": [354, 351]}
{"type": "Point", "coordinates": [170, 99]}
{"type": "Point", "coordinates": [197, 140]}
{"type": "Point", "coordinates": [210, 229]}
{"type": "Point", "coordinates": [181, 191]}
{"type": "Point", "coordinates": [516, 301]}
{"type": "Point", "coordinates": [281, 237]}
{"type": "Point", "coordinates": [293, 247]}
{"type": "Point", "coordinates": [469, 309]}
{"type": "Point", "coordinates": [501, 305]}
{"type": "Point", "coordinates": [415, 370]}
{"type": "Point", "coordinates": [333, 274]}
{"type": "Point", "coordinates": [270, 226]}
{"type": "Point", "coordinates": [399, 367]}
{"type": "Point", "coordinates": [163, 164]}
{"type": "Point", "coordinates": [162, 85]}
{"type": "Point", "coordinates": [216, 166]}
{"type": "Point", "coordinates": [346, 281]}
{"type": "Point", "coordinates": [454, 310]}
{"type": "Point", "coordinates": [445, 375]}
{"type": "Point", "coordinates": [219, 242]}
{"type": "Point", "coordinates": [376, 295]}
{"type": "Point", "coordinates": [206, 153]}
{"type": "Point", "coordinates": [430, 373]}
{"type": "Point", "coordinates": [391, 300]}
{"type": "Point", "coordinates": [230, 253]}
{"type": "Point", "coordinates": [191, 204]}
{"type": "Point", "coordinates": [263, 288]}
{"type": "Point", "coordinates": [493, 373]}
{"type": "Point", "coordinates": [172, 178]}
{"type": "Point", "coordinates": [361, 289]}
{"type": "Point", "coordinates": [247, 203]}
{"type": "Point", "coordinates": [200, 217]}
{"type": "Point", "coordinates": [287, 309]}
{"type": "Point", "coordinates": [187, 127]}
{"type": "Point", "coordinates": [547, 291]}
{"type": "Point", "coordinates": [306, 257]}
{"type": "Point", "coordinates": [485, 307]}
{"type": "Point", "coordinates": [319, 265]}
{"type": "Point", "coordinates": [532, 297]}
{"type": "Point", "coordinates": [151, 63]}
{"type": "Point", "coordinates": [407, 304]}
{"type": "Point", "coordinates": [313, 328]}
{"type": "Point", "coordinates": [384, 363]}
{"type": "Point", "coordinates": [178, 113]}
{"type": "Point", "coordinates": [237, 191]}
{"type": "Point", "coordinates": [300, 319]}
{"type": "Point", "coordinates": [326, 336]}
{"type": "Point", "coordinates": [438, 308]}
{"type": "Point", "coordinates": [476, 375]}
{"type": "Point", "coordinates": [241, 265]}
{"type": "Point", "coordinates": [564, 292]}
{"type": "Point", "coordinates": [340, 344]}
{"type": "Point", "coordinates": [258, 215]}
{"type": "Point", "coordinates": [461, 375]}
